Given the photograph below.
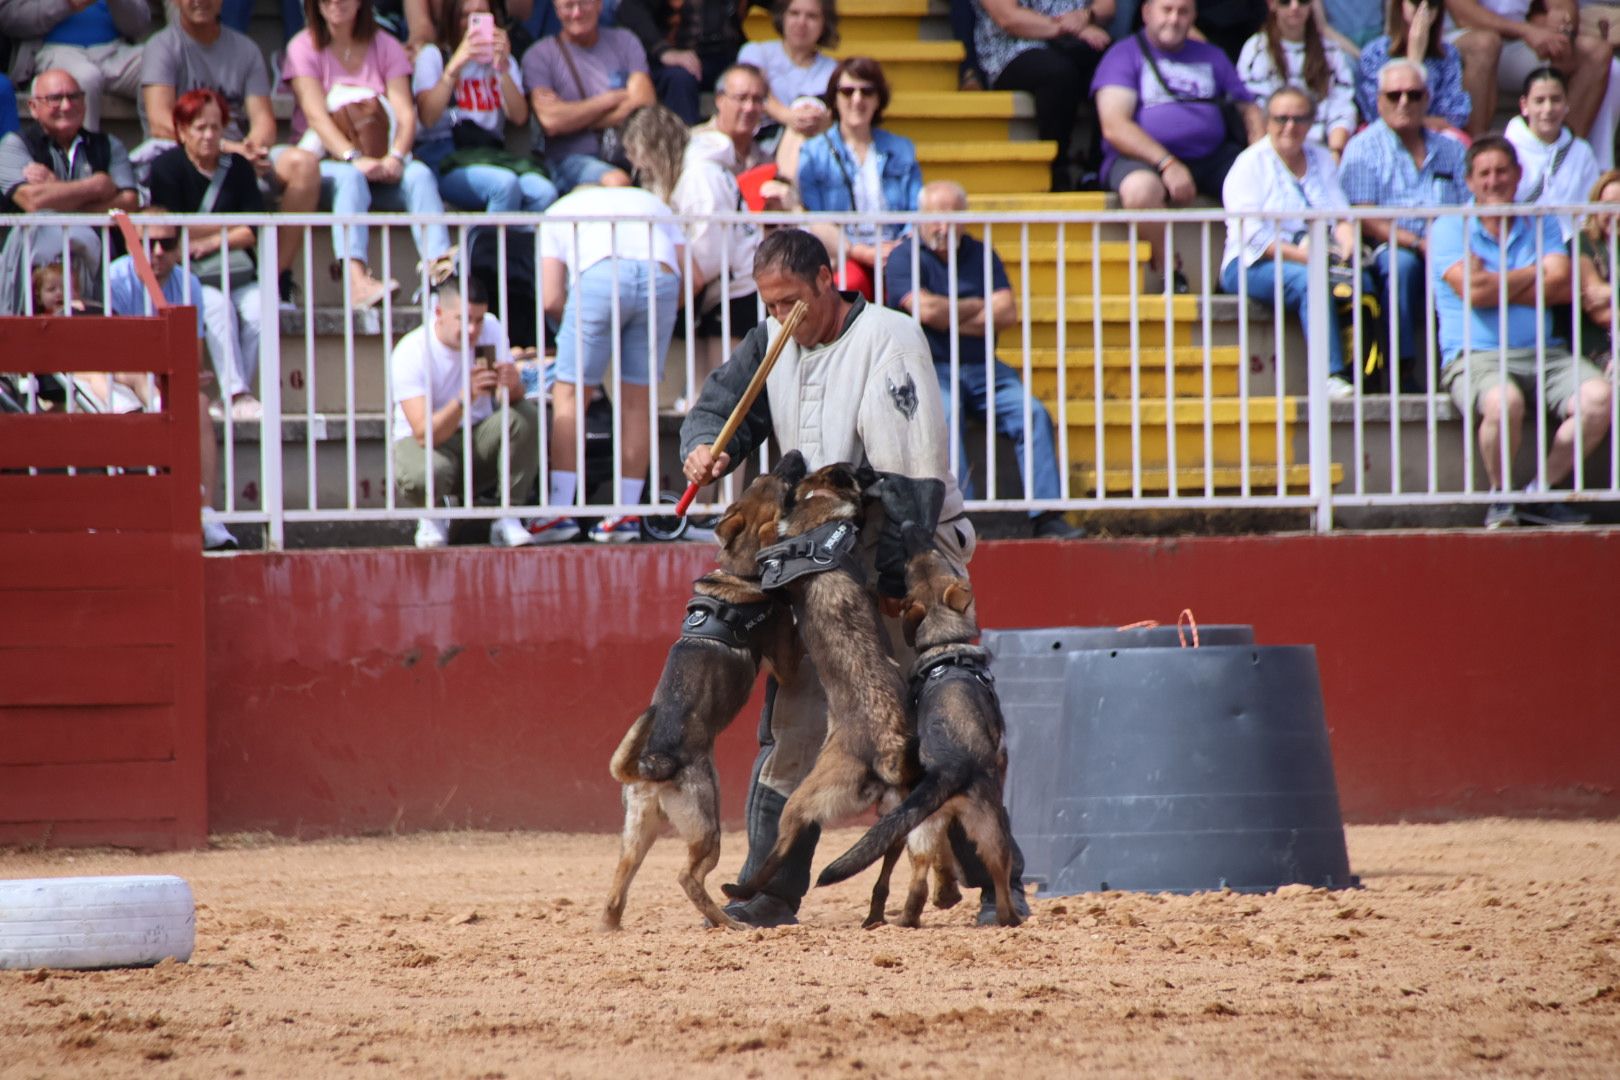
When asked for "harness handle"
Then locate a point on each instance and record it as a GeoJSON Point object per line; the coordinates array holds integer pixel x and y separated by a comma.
{"type": "Point", "coordinates": [1141, 624]}
{"type": "Point", "coordinates": [746, 402]}
{"type": "Point", "coordinates": [1186, 619]}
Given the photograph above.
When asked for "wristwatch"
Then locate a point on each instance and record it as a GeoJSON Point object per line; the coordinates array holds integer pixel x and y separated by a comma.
{"type": "Point", "coordinates": [399, 155]}
{"type": "Point", "coordinates": [351, 155]}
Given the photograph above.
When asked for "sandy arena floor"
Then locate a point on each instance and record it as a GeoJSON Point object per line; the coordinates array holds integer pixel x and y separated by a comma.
{"type": "Point", "coordinates": [1482, 949]}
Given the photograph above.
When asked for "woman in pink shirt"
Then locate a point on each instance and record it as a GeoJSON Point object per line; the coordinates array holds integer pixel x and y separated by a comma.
{"type": "Point", "coordinates": [341, 57]}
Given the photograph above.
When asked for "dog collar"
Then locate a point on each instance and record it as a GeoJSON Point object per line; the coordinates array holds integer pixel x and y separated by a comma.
{"type": "Point", "coordinates": [959, 663]}
{"type": "Point", "coordinates": [729, 624]}
{"type": "Point", "coordinates": [826, 547]}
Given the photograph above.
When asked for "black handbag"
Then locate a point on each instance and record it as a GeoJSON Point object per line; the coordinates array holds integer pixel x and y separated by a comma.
{"type": "Point", "coordinates": [471, 135]}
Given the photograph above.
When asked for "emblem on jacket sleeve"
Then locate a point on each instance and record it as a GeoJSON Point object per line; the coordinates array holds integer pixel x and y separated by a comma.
{"type": "Point", "coordinates": [904, 396]}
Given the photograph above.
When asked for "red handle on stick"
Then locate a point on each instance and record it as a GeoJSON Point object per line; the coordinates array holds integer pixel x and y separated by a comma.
{"type": "Point", "coordinates": [746, 402]}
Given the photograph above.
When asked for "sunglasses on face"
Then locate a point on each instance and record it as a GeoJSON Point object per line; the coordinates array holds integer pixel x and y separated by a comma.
{"type": "Point", "coordinates": [857, 91]}
{"type": "Point", "coordinates": [1397, 97]}
{"type": "Point", "coordinates": [1293, 3]}
{"type": "Point", "coordinates": [164, 243]}
{"type": "Point", "coordinates": [1290, 121]}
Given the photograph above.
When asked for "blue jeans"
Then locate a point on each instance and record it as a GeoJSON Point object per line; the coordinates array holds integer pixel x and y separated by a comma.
{"type": "Point", "coordinates": [8, 107]}
{"type": "Point", "coordinates": [1010, 394]}
{"type": "Point", "coordinates": [1262, 283]}
{"type": "Point", "coordinates": [345, 191]}
{"type": "Point", "coordinates": [486, 187]}
{"type": "Point", "coordinates": [1408, 296]}
{"type": "Point", "coordinates": [576, 169]}
{"type": "Point", "coordinates": [585, 338]}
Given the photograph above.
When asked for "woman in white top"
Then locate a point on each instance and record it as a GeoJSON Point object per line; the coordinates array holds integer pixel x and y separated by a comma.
{"type": "Point", "coordinates": [1558, 166]}
{"type": "Point", "coordinates": [1283, 172]}
{"type": "Point", "coordinates": [796, 71]}
{"type": "Point", "coordinates": [1291, 50]}
{"type": "Point", "coordinates": [464, 105]}
{"type": "Point", "coordinates": [611, 282]}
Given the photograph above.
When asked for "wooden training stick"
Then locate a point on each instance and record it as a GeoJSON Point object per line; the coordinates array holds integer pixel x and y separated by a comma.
{"type": "Point", "coordinates": [755, 385]}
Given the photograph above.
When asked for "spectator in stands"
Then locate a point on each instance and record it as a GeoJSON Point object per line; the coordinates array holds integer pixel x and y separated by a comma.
{"type": "Point", "coordinates": [1291, 50]}
{"type": "Point", "coordinates": [599, 277]}
{"type": "Point", "coordinates": [1558, 166]}
{"type": "Point", "coordinates": [1167, 135]}
{"type": "Point", "coordinates": [1399, 161]}
{"type": "Point", "coordinates": [797, 71]}
{"type": "Point", "coordinates": [198, 177]}
{"type": "Point", "coordinates": [1285, 172]}
{"type": "Point", "coordinates": [1502, 42]}
{"type": "Point", "coordinates": [694, 177]}
{"type": "Point", "coordinates": [1353, 23]}
{"type": "Point", "coordinates": [688, 44]}
{"type": "Point", "coordinates": [93, 41]}
{"type": "Point", "coordinates": [196, 52]}
{"type": "Point", "coordinates": [856, 165]}
{"type": "Point", "coordinates": [457, 372]}
{"type": "Point", "coordinates": [583, 83]}
{"type": "Point", "coordinates": [1050, 50]}
{"type": "Point", "coordinates": [43, 171]}
{"type": "Point", "coordinates": [465, 104]}
{"type": "Point", "coordinates": [353, 86]}
{"type": "Point", "coordinates": [1491, 375]}
{"type": "Point", "coordinates": [740, 95]}
{"type": "Point", "coordinates": [49, 291]}
{"type": "Point", "coordinates": [1414, 32]}
{"type": "Point", "coordinates": [9, 120]}
{"type": "Point", "coordinates": [1598, 253]}
{"type": "Point", "coordinates": [532, 19]}
{"type": "Point", "coordinates": [978, 304]}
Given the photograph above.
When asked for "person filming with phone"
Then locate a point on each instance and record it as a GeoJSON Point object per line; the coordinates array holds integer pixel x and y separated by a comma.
{"type": "Point", "coordinates": [457, 372]}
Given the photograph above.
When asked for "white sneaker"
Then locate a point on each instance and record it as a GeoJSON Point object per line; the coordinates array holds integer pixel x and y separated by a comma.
{"type": "Point", "coordinates": [432, 533]}
{"type": "Point", "coordinates": [552, 530]}
{"type": "Point", "coordinates": [509, 532]}
{"type": "Point", "coordinates": [246, 407]}
{"type": "Point", "coordinates": [1340, 388]}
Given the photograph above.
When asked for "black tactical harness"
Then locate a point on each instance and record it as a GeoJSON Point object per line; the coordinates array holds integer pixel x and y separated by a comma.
{"type": "Point", "coordinates": [826, 547]}
{"type": "Point", "coordinates": [730, 624]}
{"type": "Point", "coordinates": [960, 663]}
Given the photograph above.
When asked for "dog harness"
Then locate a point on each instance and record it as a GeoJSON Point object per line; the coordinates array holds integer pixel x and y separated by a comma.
{"type": "Point", "coordinates": [969, 663]}
{"type": "Point", "coordinates": [729, 624]}
{"type": "Point", "coordinates": [826, 547]}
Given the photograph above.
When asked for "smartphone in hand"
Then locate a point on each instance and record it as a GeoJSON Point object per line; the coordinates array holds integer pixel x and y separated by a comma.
{"type": "Point", "coordinates": [481, 32]}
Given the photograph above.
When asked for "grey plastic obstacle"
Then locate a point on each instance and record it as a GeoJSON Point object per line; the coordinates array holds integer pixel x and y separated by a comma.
{"type": "Point", "coordinates": [1148, 768]}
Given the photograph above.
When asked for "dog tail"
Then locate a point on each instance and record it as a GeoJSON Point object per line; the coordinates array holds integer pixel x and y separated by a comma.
{"type": "Point", "coordinates": [624, 766]}
{"type": "Point", "coordinates": [932, 792]}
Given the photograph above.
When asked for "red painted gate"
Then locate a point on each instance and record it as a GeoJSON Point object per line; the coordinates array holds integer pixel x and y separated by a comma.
{"type": "Point", "coordinates": [102, 725]}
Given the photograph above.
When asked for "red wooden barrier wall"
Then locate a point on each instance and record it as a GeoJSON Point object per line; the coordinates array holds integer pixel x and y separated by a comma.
{"type": "Point", "coordinates": [101, 634]}
{"type": "Point", "coordinates": [1464, 673]}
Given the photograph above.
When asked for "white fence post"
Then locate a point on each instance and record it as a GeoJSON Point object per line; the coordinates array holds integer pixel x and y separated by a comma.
{"type": "Point", "coordinates": [1317, 406]}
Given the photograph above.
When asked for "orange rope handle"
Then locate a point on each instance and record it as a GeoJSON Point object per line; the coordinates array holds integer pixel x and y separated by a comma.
{"type": "Point", "coordinates": [1186, 619]}
{"type": "Point", "coordinates": [1145, 624]}
{"type": "Point", "coordinates": [137, 252]}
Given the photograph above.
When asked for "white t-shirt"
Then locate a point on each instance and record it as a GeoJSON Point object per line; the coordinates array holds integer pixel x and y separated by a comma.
{"type": "Point", "coordinates": [868, 192]}
{"type": "Point", "coordinates": [788, 80]}
{"type": "Point", "coordinates": [477, 97]}
{"type": "Point", "coordinates": [1570, 183]}
{"type": "Point", "coordinates": [420, 360]}
{"type": "Point", "coordinates": [598, 239]}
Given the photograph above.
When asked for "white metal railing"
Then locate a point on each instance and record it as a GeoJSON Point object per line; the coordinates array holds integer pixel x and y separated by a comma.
{"type": "Point", "coordinates": [1195, 442]}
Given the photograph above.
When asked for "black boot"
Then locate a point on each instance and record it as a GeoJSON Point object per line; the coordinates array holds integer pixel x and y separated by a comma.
{"type": "Point", "coordinates": [777, 902]}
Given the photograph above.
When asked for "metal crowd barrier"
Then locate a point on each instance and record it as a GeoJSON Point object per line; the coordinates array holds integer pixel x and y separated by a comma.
{"type": "Point", "coordinates": [1079, 327]}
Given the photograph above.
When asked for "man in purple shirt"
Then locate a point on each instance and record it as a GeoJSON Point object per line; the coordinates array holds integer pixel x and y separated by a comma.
{"type": "Point", "coordinates": [1164, 132]}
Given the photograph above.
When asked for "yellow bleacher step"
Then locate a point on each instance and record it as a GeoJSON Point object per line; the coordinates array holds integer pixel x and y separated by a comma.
{"type": "Point", "coordinates": [868, 20]}
{"type": "Point", "coordinates": [1226, 447]}
{"type": "Point", "coordinates": [954, 116]}
{"type": "Point", "coordinates": [987, 167]}
{"type": "Point", "coordinates": [1081, 374]}
{"type": "Point", "coordinates": [1041, 201]}
{"type": "Point", "coordinates": [1115, 259]}
{"type": "Point", "coordinates": [1223, 479]}
{"type": "Point", "coordinates": [909, 65]}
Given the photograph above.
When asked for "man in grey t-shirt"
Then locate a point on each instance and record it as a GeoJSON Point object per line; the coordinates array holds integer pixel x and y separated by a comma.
{"type": "Point", "coordinates": [196, 52]}
{"type": "Point", "coordinates": [582, 81]}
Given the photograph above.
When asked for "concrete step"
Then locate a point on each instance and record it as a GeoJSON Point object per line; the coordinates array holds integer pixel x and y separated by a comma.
{"type": "Point", "coordinates": [866, 21]}
{"type": "Point", "coordinates": [988, 167]}
{"type": "Point", "coordinates": [1192, 480]}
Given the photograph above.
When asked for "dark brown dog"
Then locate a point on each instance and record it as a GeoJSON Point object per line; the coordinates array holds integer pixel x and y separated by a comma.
{"type": "Point", "coordinates": [961, 744]}
{"type": "Point", "coordinates": [870, 749]}
{"type": "Point", "coordinates": [666, 759]}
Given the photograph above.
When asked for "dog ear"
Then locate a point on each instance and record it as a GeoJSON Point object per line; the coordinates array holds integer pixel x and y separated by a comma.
{"type": "Point", "coordinates": [791, 469]}
{"type": "Point", "coordinates": [729, 527]}
{"type": "Point", "coordinates": [958, 597]}
{"type": "Point", "coordinates": [866, 476]}
{"type": "Point", "coordinates": [910, 619]}
{"type": "Point", "coordinates": [767, 532]}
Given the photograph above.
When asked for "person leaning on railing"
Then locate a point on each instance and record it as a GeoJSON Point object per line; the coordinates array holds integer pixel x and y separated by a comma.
{"type": "Point", "coordinates": [1399, 161]}
{"type": "Point", "coordinates": [341, 63]}
{"type": "Point", "coordinates": [856, 165]}
{"type": "Point", "coordinates": [431, 408]}
{"type": "Point", "coordinates": [1285, 172]}
{"type": "Point", "coordinates": [196, 177]}
{"type": "Point", "coordinates": [1492, 376]}
{"type": "Point", "coordinates": [467, 90]}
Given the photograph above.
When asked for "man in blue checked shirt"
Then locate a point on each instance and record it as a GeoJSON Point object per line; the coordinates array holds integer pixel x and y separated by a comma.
{"type": "Point", "coordinates": [1399, 161]}
{"type": "Point", "coordinates": [1495, 359]}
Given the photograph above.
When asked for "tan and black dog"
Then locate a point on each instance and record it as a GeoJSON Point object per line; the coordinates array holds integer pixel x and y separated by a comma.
{"type": "Point", "coordinates": [666, 759]}
{"type": "Point", "coordinates": [961, 743]}
{"type": "Point", "coordinates": [870, 749]}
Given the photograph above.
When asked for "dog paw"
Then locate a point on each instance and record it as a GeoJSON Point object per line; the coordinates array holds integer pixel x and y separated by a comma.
{"type": "Point", "coordinates": [873, 922]}
{"type": "Point", "coordinates": [736, 891]}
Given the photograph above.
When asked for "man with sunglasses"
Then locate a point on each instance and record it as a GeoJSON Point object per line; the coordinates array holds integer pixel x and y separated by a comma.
{"type": "Point", "coordinates": [1399, 161]}
{"type": "Point", "coordinates": [55, 165]}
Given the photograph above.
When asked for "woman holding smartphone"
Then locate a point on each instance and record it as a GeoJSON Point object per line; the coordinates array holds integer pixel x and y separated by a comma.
{"type": "Point", "coordinates": [465, 103]}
